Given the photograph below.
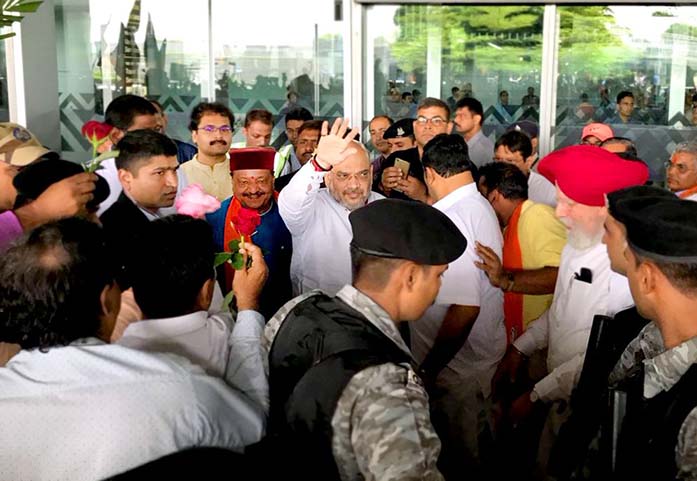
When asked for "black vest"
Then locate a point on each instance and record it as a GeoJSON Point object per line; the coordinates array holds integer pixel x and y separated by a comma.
{"type": "Point", "coordinates": [320, 346]}
{"type": "Point", "coordinates": [649, 434]}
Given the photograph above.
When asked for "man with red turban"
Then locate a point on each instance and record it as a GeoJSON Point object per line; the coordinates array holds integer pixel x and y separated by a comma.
{"type": "Point", "coordinates": [252, 212]}
{"type": "Point", "coordinates": [586, 286]}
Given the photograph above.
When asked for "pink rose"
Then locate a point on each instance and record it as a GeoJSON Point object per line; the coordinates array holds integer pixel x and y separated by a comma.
{"type": "Point", "coordinates": [246, 221]}
{"type": "Point", "coordinates": [195, 202]}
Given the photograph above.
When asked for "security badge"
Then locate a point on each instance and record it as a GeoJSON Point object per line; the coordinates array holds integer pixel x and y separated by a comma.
{"type": "Point", "coordinates": [400, 132]}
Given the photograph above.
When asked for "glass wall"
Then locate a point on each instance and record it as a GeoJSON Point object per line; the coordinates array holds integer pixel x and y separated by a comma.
{"type": "Point", "coordinates": [4, 102]}
{"type": "Point", "coordinates": [649, 51]}
{"type": "Point", "coordinates": [161, 49]}
{"type": "Point", "coordinates": [488, 52]}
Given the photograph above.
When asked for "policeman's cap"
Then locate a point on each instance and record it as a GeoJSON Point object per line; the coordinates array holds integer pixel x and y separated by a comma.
{"type": "Point", "coordinates": [403, 229]}
{"type": "Point", "coordinates": [401, 128]}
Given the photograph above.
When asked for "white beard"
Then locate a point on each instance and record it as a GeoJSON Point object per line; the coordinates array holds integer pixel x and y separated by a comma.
{"type": "Point", "coordinates": [581, 241]}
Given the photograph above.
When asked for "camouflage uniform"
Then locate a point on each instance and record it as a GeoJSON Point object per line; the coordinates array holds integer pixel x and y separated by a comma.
{"type": "Point", "coordinates": [663, 369]}
{"type": "Point", "coordinates": [381, 425]}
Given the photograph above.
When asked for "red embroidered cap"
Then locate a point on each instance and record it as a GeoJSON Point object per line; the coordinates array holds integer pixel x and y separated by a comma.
{"type": "Point", "coordinates": [252, 158]}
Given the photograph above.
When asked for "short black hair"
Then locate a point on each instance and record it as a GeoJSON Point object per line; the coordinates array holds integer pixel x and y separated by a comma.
{"type": "Point", "coordinates": [310, 125]}
{"type": "Point", "coordinates": [173, 259]}
{"type": "Point", "coordinates": [447, 154]}
{"type": "Point", "coordinates": [51, 284]}
{"type": "Point", "coordinates": [429, 102]}
{"type": "Point", "coordinates": [405, 95]}
{"type": "Point", "coordinates": [299, 113]}
{"type": "Point", "coordinates": [454, 89]}
{"type": "Point", "coordinates": [140, 145]}
{"type": "Point", "coordinates": [382, 116]}
{"type": "Point", "coordinates": [473, 105]}
{"type": "Point", "coordinates": [121, 111]}
{"type": "Point", "coordinates": [374, 268]}
{"type": "Point", "coordinates": [508, 179]}
{"type": "Point", "coordinates": [515, 141]}
{"type": "Point", "coordinates": [629, 143]}
{"type": "Point", "coordinates": [683, 276]}
{"type": "Point", "coordinates": [204, 108]}
{"type": "Point", "coordinates": [623, 94]}
{"type": "Point", "coordinates": [258, 115]}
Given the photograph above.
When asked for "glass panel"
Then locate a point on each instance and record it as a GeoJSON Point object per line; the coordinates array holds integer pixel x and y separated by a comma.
{"type": "Point", "coordinates": [4, 103]}
{"type": "Point", "coordinates": [481, 50]}
{"type": "Point", "coordinates": [649, 51]}
{"type": "Point", "coordinates": [293, 57]}
{"type": "Point", "coordinates": [106, 49]}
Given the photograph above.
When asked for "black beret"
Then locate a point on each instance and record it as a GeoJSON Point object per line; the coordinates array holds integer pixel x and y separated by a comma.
{"type": "Point", "coordinates": [404, 229]}
{"type": "Point", "coordinates": [401, 128]}
{"type": "Point", "coordinates": [662, 228]}
{"type": "Point", "coordinates": [634, 192]}
{"type": "Point", "coordinates": [38, 176]}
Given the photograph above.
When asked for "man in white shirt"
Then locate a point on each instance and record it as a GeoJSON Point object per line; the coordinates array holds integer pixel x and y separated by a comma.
{"type": "Point", "coordinates": [461, 338]}
{"type": "Point", "coordinates": [212, 126]}
{"type": "Point", "coordinates": [317, 216]}
{"type": "Point", "coordinates": [126, 114]}
{"type": "Point", "coordinates": [585, 286]}
{"type": "Point", "coordinates": [76, 408]}
{"type": "Point", "coordinates": [681, 171]}
{"type": "Point", "coordinates": [173, 284]}
{"type": "Point", "coordinates": [515, 148]}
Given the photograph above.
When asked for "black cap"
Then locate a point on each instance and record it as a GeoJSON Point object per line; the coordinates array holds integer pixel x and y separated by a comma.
{"type": "Point", "coordinates": [527, 127]}
{"type": "Point", "coordinates": [403, 229]}
{"type": "Point", "coordinates": [401, 128]}
{"type": "Point", "coordinates": [634, 192]}
{"type": "Point", "coordinates": [38, 176]}
{"type": "Point", "coordinates": [661, 228]}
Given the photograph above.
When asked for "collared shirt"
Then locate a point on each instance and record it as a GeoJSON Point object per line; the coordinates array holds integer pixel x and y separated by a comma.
{"type": "Point", "coordinates": [662, 370]}
{"type": "Point", "coordinates": [565, 327]}
{"type": "Point", "coordinates": [215, 179]}
{"type": "Point", "coordinates": [211, 341]}
{"type": "Point", "coordinates": [540, 190]}
{"type": "Point", "coordinates": [10, 229]}
{"type": "Point", "coordinates": [466, 285]}
{"type": "Point", "coordinates": [480, 148]}
{"type": "Point", "coordinates": [89, 411]}
{"type": "Point", "coordinates": [383, 409]}
{"type": "Point", "coordinates": [321, 233]}
{"type": "Point", "coordinates": [692, 197]}
{"type": "Point", "coordinates": [110, 173]}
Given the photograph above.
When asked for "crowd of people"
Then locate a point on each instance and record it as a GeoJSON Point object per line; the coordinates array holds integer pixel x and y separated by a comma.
{"type": "Point", "coordinates": [430, 304]}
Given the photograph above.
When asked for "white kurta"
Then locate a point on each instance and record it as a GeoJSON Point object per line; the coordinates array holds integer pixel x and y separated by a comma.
{"type": "Point", "coordinates": [321, 233]}
{"type": "Point", "coordinates": [565, 327]}
{"type": "Point", "coordinates": [223, 347]}
{"type": "Point", "coordinates": [466, 285]}
{"type": "Point", "coordinates": [540, 190]}
{"type": "Point", "coordinates": [89, 411]}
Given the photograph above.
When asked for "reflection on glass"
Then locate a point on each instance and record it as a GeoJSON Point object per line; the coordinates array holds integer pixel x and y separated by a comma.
{"type": "Point", "coordinates": [293, 58]}
{"type": "Point", "coordinates": [107, 49]}
{"type": "Point", "coordinates": [4, 105]}
{"type": "Point", "coordinates": [632, 67]}
{"type": "Point", "coordinates": [488, 52]}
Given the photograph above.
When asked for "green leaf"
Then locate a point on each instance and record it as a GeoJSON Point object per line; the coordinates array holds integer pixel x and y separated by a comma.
{"type": "Point", "coordinates": [7, 35]}
{"type": "Point", "coordinates": [25, 7]}
{"type": "Point", "coordinates": [234, 245]}
{"type": "Point", "coordinates": [227, 300]}
{"type": "Point", "coordinates": [221, 258]}
{"type": "Point", "coordinates": [96, 164]}
{"type": "Point", "coordinates": [237, 261]}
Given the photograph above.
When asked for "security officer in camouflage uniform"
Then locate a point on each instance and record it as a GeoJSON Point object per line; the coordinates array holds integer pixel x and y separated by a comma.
{"type": "Point", "coordinates": [346, 401]}
{"type": "Point", "coordinates": [656, 375]}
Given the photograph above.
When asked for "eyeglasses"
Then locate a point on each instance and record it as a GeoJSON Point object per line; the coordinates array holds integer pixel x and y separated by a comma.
{"type": "Point", "coordinates": [210, 129]}
{"type": "Point", "coordinates": [681, 168]}
{"type": "Point", "coordinates": [435, 121]}
{"type": "Point", "coordinates": [363, 175]}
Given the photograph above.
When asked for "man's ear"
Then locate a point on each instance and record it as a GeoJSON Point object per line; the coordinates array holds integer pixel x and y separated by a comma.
{"type": "Point", "coordinates": [649, 277]}
{"type": "Point", "coordinates": [429, 175]}
{"type": "Point", "coordinates": [116, 134]}
{"type": "Point", "coordinates": [451, 125]}
{"type": "Point", "coordinates": [126, 178]}
{"type": "Point", "coordinates": [205, 295]}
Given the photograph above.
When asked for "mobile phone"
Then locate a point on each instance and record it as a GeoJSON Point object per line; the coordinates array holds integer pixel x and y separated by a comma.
{"type": "Point", "coordinates": [402, 165]}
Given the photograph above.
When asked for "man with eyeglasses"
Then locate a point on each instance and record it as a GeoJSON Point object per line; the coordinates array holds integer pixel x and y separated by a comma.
{"type": "Point", "coordinates": [681, 171]}
{"type": "Point", "coordinates": [317, 216]}
{"type": "Point", "coordinates": [211, 130]}
{"type": "Point", "coordinates": [433, 118]}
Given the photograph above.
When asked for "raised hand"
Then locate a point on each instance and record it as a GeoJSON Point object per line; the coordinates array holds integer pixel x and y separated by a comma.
{"type": "Point", "coordinates": [334, 145]}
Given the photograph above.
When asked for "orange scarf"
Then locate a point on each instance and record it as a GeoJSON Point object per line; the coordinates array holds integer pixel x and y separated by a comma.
{"type": "Point", "coordinates": [687, 193]}
{"type": "Point", "coordinates": [513, 261]}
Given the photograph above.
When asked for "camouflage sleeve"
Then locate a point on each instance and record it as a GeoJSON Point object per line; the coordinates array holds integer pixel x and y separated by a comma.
{"type": "Point", "coordinates": [382, 429]}
{"type": "Point", "coordinates": [647, 343]}
{"type": "Point", "coordinates": [686, 450]}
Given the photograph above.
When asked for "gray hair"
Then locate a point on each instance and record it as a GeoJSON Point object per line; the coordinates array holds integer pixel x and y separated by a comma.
{"type": "Point", "coordinates": [688, 147]}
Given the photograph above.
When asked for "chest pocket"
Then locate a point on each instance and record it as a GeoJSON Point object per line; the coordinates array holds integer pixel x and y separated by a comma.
{"type": "Point", "coordinates": [580, 302]}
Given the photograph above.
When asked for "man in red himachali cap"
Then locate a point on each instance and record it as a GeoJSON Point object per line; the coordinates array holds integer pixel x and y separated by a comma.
{"type": "Point", "coordinates": [252, 212]}
{"type": "Point", "coordinates": [586, 286]}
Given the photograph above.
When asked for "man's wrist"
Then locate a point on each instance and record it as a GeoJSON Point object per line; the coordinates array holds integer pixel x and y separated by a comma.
{"type": "Point", "coordinates": [319, 165]}
{"type": "Point", "coordinates": [247, 304]}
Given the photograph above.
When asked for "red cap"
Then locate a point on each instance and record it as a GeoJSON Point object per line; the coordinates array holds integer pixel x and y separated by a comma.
{"type": "Point", "coordinates": [252, 158]}
{"type": "Point", "coordinates": [598, 130]}
{"type": "Point", "coordinates": [586, 173]}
